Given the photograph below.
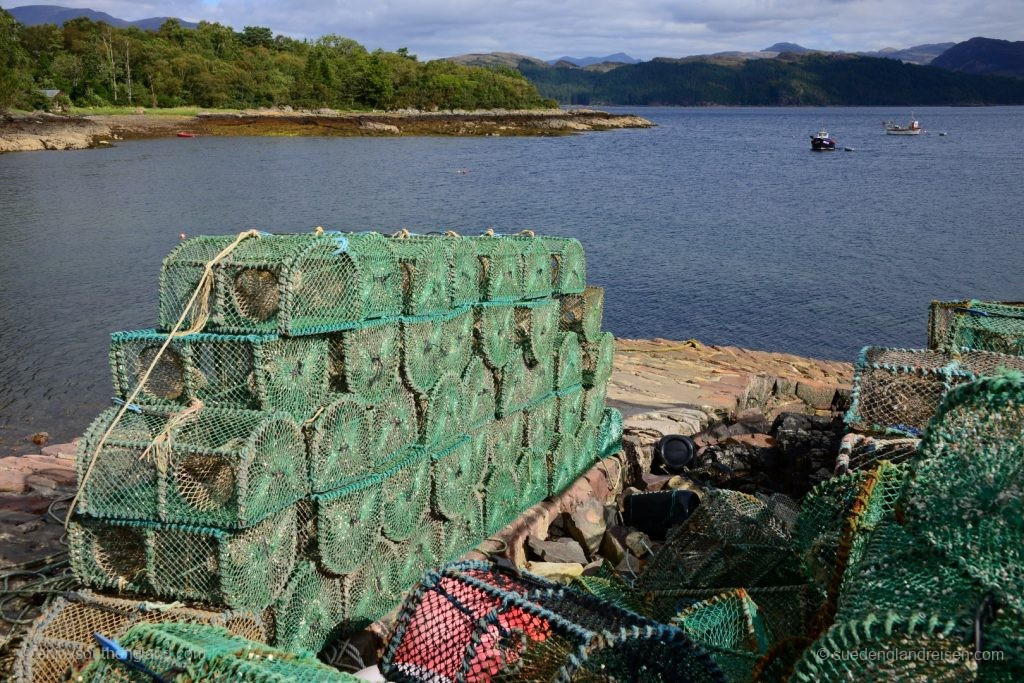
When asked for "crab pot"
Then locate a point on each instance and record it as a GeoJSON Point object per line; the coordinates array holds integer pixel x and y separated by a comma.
{"type": "Point", "coordinates": [537, 328]}
{"type": "Point", "coordinates": [465, 270]}
{"type": "Point", "coordinates": [309, 610]}
{"type": "Point", "coordinates": [495, 334]}
{"type": "Point", "coordinates": [540, 380]}
{"type": "Point", "coordinates": [434, 346]}
{"type": "Point", "coordinates": [568, 265]}
{"type": "Point", "coordinates": [537, 278]}
{"type": "Point", "coordinates": [897, 391]}
{"type": "Point", "coordinates": [582, 313]}
{"type": "Point", "coordinates": [598, 358]}
{"type": "Point", "coordinates": [609, 434]}
{"type": "Point", "coordinates": [405, 494]}
{"type": "Point", "coordinates": [514, 388]}
{"type": "Point", "coordinates": [245, 569]}
{"type": "Point", "coordinates": [532, 473]}
{"type": "Point", "coordinates": [562, 464]}
{"type": "Point", "coordinates": [592, 411]}
{"type": "Point", "coordinates": [570, 411]}
{"type": "Point", "coordinates": [540, 420]}
{"type": "Point", "coordinates": [454, 471]}
{"type": "Point", "coordinates": [501, 263]}
{"type": "Point", "coordinates": [426, 274]}
{"type": "Point", "coordinates": [60, 641]}
{"type": "Point", "coordinates": [337, 444]}
{"type": "Point", "coordinates": [504, 439]}
{"type": "Point", "coordinates": [220, 467]}
{"type": "Point", "coordinates": [568, 362]}
{"type": "Point", "coordinates": [478, 394]}
{"type": "Point", "coordinates": [347, 523]}
{"type": "Point", "coordinates": [289, 284]}
{"type": "Point", "coordinates": [365, 361]}
{"type": "Point", "coordinates": [375, 588]}
{"type": "Point", "coordinates": [457, 535]}
{"type": "Point", "coordinates": [259, 372]}
{"type": "Point", "coordinates": [474, 621]}
{"type": "Point", "coordinates": [502, 493]}
{"type": "Point", "coordinates": [393, 425]}
{"type": "Point", "coordinates": [440, 412]}
{"type": "Point", "coordinates": [978, 325]}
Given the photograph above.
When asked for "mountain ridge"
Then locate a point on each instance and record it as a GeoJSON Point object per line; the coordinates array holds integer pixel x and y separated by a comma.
{"type": "Point", "coordinates": [33, 15]}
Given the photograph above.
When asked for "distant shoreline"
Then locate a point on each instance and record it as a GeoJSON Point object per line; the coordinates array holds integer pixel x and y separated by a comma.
{"type": "Point", "coordinates": [30, 132]}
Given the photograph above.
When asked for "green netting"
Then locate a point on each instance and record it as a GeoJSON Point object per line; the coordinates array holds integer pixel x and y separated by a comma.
{"type": "Point", "coordinates": [502, 494]}
{"type": "Point", "coordinates": [568, 362]}
{"type": "Point", "coordinates": [336, 442]}
{"type": "Point", "coordinates": [464, 268]}
{"type": "Point", "coordinates": [219, 467]}
{"type": "Point", "coordinates": [495, 334]}
{"type": "Point", "coordinates": [905, 647]}
{"type": "Point", "coordinates": [60, 641]}
{"type": "Point", "coordinates": [426, 275]}
{"type": "Point", "coordinates": [539, 420]}
{"type": "Point", "coordinates": [582, 313]}
{"type": "Point", "coordinates": [504, 439]}
{"type": "Point", "coordinates": [476, 622]}
{"type": "Point", "coordinates": [183, 653]}
{"type": "Point", "coordinates": [732, 630]}
{"type": "Point", "coordinates": [393, 426]}
{"type": "Point", "coordinates": [592, 410]}
{"type": "Point", "coordinates": [860, 451]}
{"type": "Point", "coordinates": [478, 394]}
{"type": "Point", "coordinates": [291, 284]}
{"type": "Point", "coordinates": [347, 523]}
{"type": "Point", "coordinates": [463, 531]}
{"type": "Point", "coordinates": [376, 587]}
{"type": "Point", "coordinates": [433, 346]}
{"type": "Point", "coordinates": [537, 329]}
{"type": "Point", "coordinates": [568, 264]}
{"type": "Point", "coordinates": [562, 463]}
{"type": "Point", "coordinates": [440, 411]}
{"type": "Point", "coordinates": [898, 390]}
{"type": "Point", "coordinates": [454, 471]}
{"type": "Point", "coordinates": [609, 434]}
{"type": "Point", "coordinates": [532, 473]}
{"type": "Point", "coordinates": [244, 569]}
{"type": "Point", "coordinates": [405, 494]}
{"type": "Point", "coordinates": [420, 553]}
{"type": "Point", "coordinates": [253, 372]}
{"type": "Point", "coordinates": [570, 411]}
{"type": "Point", "coordinates": [373, 251]}
{"type": "Point", "coordinates": [608, 585]}
{"type": "Point", "coordinates": [598, 358]}
{"type": "Point", "coordinates": [514, 390]}
{"type": "Point", "coordinates": [979, 325]}
{"type": "Point", "coordinates": [537, 267]}
{"type": "Point", "coordinates": [501, 268]}
{"type": "Point", "coordinates": [365, 361]}
{"type": "Point", "coordinates": [309, 610]}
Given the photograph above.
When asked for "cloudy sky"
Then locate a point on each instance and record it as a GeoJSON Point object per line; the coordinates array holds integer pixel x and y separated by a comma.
{"type": "Point", "coordinates": [641, 28]}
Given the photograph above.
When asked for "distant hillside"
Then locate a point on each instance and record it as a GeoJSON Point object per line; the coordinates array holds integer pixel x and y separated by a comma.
{"type": "Point", "coordinates": [618, 57]}
{"type": "Point", "coordinates": [33, 15]}
{"type": "Point", "coordinates": [984, 56]}
{"type": "Point", "coordinates": [786, 47]}
{"type": "Point", "coordinates": [492, 59]}
{"type": "Point", "coordinates": [918, 54]}
{"type": "Point", "coordinates": [792, 79]}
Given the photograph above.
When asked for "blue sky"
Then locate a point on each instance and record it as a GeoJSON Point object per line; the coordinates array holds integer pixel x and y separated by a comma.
{"type": "Point", "coordinates": [643, 28]}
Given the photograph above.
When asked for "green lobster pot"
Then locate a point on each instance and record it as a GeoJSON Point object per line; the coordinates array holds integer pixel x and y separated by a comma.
{"type": "Point", "coordinates": [568, 264]}
{"type": "Point", "coordinates": [582, 313]}
{"type": "Point", "coordinates": [394, 425]}
{"type": "Point", "coordinates": [376, 587]}
{"type": "Point", "coordinates": [421, 553]}
{"type": "Point", "coordinates": [540, 380]}
{"type": "Point", "coordinates": [495, 334]}
{"type": "Point", "coordinates": [592, 411]}
{"type": "Point", "coordinates": [434, 346]}
{"type": "Point", "coordinates": [459, 534]}
{"type": "Point", "coordinates": [609, 435]}
{"type": "Point", "coordinates": [532, 472]}
{"type": "Point", "coordinates": [310, 608]}
{"type": "Point", "coordinates": [260, 372]}
{"type": "Point", "coordinates": [570, 411]}
{"type": "Point", "coordinates": [365, 361]}
{"type": "Point", "coordinates": [426, 274]}
{"type": "Point", "coordinates": [562, 464]}
{"type": "Point", "coordinates": [454, 472]}
{"type": "Point", "coordinates": [977, 325]}
{"type": "Point", "coordinates": [478, 394]}
{"type": "Point", "coordinates": [514, 390]}
{"type": "Point", "coordinates": [598, 358]}
{"type": "Point", "coordinates": [289, 284]}
{"type": "Point", "coordinates": [465, 270]}
{"type": "Point", "coordinates": [568, 362]}
{"type": "Point", "coordinates": [502, 494]}
{"type": "Point", "coordinates": [540, 420]}
{"type": "Point", "coordinates": [245, 569]}
{"type": "Point", "coordinates": [731, 628]}
{"type": "Point", "coordinates": [441, 417]}
{"type": "Point", "coordinates": [537, 277]}
{"type": "Point", "coordinates": [502, 268]}
{"type": "Point", "coordinates": [219, 467]}
{"type": "Point", "coordinates": [336, 442]}
{"type": "Point", "coordinates": [505, 438]}
{"type": "Point", "coordinates": [347, 523]}
{"type": "Point", "coordinates": [405, 494]}
{"type": "Point", "coordinates": [537, 328]}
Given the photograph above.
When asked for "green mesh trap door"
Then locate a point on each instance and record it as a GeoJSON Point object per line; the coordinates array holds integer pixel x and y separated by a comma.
{"type": "Point", "coordinates": [311, 607]}
{"type": "Point", "coordinates": [495, 334]}
{"type": "Point", "coordinates": [376, 587]}
{"type": "Point", "coordinates": [434, 346]}
{"type": "Point", "coordinates": [455, 471]}
{"type": "Point", "coordinates": [337, 440]}
{"type": "Point", "coordinates": [348, 521]}
{"type": "Point", "coordinates": [540, 421]}
{"type": "Point", "coordinates": [426, 274]}
{"type": "Point", "coordinates": [598, 358]}
{"type": "Point", "coordinates": [514, 390]}
{"type": "Point", "coordinates": [478, 394]}
{"type": "Point", "coordinates": [562, 463]}
{"type": "Point", "coordinates": [568, 265]}
{"type": "Point", "coordinates": [405, 494]}
{"type": "Point", "coordinates": [582, 313]}
{"type": "Point", "coordinates": [365, 361]}
{"type": "Point", "coordinates": [465, 270]}
{"type": "Point", "coordinates": [537, 275]}
{"type": "Point", "coordinates": [394, 425]}
{"type": "Point", "coordinates": [441, 412]}
{"type": "Point", "coordinates": [537, 329]}
{"type": "Point", "coordinates": [570, 411]}
{"type": "Point", "coordinates": [568, 362]}
{"type": "Point", "coordinates": [501, 268]}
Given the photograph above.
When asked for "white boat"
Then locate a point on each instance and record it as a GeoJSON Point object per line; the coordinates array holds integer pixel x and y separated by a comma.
{"type": "Point", "coordinates": [912, 128]}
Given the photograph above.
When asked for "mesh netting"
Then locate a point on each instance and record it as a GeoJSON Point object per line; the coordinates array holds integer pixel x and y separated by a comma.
{"type": "Point", "coordinates": [308, 611]}
{"type": "Point", "coordinates": [532, 473]}
{"type": "Point", "coordinates": [243, 569]}
{"type": "Point", "coordinates": [495, 334]}
{"type": "Point", "coordinates": [441, 416]}
{"type": "Point", "coordinates": [540, 420]}
{"type": "Point", "coordinates": [582, 313]}
{"type": "Point", "coordinates": [898, 390]}
{"type": "Point", "coordinates": [464, 530]}
{"type": "Point", "coordinates": [562, 463]}
{"type": "Point", "coordinates": [60, 641]}
{"type": "Point", "coordinates": [365, 361]}
{"type": "Point", "coordinates": [254, 372]}
{"type": "Point", "coordinates": [434, 346]}
{"type": "Point", "coordinates": [454, 471]}
{"type": "Point", "coordinates": [336, 442]}
{"type": "Point", "coordinates": [347, 523]}
{"type": "Point", "coordinates": [592, 410]}
{"type": "Point", "coordinates": [568, 264]}
{"type": "Point", "coordinates": [609, 434]}
{"type": "Point", "coordinates": [219, 467]}
{"type": "Point", "coordinates": [979, 325]}
{"type": "Point", "coordinates": [598, 358]}
{"type": "Point", "coordinates": [514, 391]}
{"type": "Point", "coordinates": [464, 268]}
{"type": "Point", "coordinates": [393, 426]}
{"type": "Point", "coordinates": [608, 585]}
{"type": "Point", "coordinates": [478, 394]}
{"type": "Point", "coordinates": [732, 630]}
{"type": "Point", "coordinates": [375, 588]}
{"type": "Point", "coordinates": [502, 494]}
{"type": "Point", "coordinates": [182, 653]}
{"type": "Point", "coordinates": [426, 277]}
{"type": "Point", "coordinates": [501, 268]}
{"type": "Point", "coordinates": [537, 267]}
{"type": "Point", "coordinates": [570, 411]}
{"type": "Point", "coordinates": [537, 329]}
{"type": "Point", "coordinates": [475, 622]}
{"type": "Point", "coordinates": [405, 495]}
{"type": "Point", "coordinates": [860, 451]}
{"type": "Point", "coordinates": [568, 362]}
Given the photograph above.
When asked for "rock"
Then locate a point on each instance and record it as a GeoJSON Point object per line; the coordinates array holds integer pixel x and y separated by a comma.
{"type": "Point", "coordinates": [12, 481]}
{"type": "Point", "coordinates": [375, 127]}
{"type": "Point", "coordinates": [656, 482]}
{"type": "Point", "coordinates": [639, 451]}
{"type": "Point", "coordinates": [40, 438]}
{"type": "Point", "coordinates": [564, 550]}
{"type": "Point", "coordinates": [613, 544]}
{"type": "Point", "coordinates": [638, 543]}
{"type": "Point", "coordinates": [612, 516]}
{"type": "Point", "coordinates": [818, 395]}
{"type": "Point", "coordinates": [593, 568]}
{"type": "Point", "coordinates": [685, 484]}
{"type": "Point", "coordinates": [629, 565]}
{"type": "Point", "coordinates": [62, 451]}
{"type": "Point", "coordinates": [562, 572]}
{"type": "Point", "coordinates": [556, 529]}
{"type": "Point", "coordinates": [586, 525]}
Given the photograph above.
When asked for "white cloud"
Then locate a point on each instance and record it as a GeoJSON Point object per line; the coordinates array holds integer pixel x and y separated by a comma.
{"type": "Point", "coordinates": [645, 29]}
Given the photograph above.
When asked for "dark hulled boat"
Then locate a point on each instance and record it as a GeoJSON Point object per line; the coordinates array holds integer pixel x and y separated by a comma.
{"type": "Point", "coordinates": [822, 142]}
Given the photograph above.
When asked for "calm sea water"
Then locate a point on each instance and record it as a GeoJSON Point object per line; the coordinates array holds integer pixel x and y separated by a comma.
{"type": "Point", "coordinates": [719, 224]}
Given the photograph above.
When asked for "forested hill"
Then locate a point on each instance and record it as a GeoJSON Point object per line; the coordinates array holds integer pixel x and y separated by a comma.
{"type": "Point", "coordinates": [95, 64]}
{"type": "Point", "coordinates": [789, 80]}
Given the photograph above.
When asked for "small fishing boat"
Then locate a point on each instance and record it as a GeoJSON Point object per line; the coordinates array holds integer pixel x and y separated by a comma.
{"type": "Point", "coordinates": [187, 134]}
{"type": "Point", "coordinates": [912, 128]}
{"type": "Point", "coordinates": [822, 142]}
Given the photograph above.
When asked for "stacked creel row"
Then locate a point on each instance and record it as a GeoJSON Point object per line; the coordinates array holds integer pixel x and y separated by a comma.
{"type": "Point", "coordinates": [355, 409]}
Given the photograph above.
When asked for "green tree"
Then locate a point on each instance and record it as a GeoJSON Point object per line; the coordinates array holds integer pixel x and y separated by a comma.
{"type": "Point", "coordinates": [15, 77]}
